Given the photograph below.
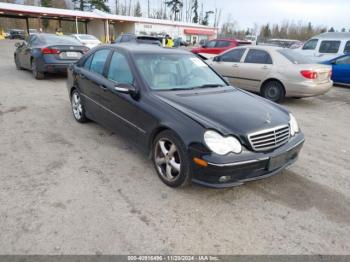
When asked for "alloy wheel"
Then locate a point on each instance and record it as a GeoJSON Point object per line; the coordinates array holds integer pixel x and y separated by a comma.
{"type": "Point", "coordinates": [167, 159]}
{"type": "Point", "coordinates": [77, 106]}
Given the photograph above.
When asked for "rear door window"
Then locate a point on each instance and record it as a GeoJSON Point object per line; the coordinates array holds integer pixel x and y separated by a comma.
{"type": "Point", "coordinates": [329, 47]}
{"type": "Point", "coordinates": [233, 56]}
{"type": "Point", "coordinates": [347, 47]}
{"type": "Point", "coordinates": [119, 70]}
{"type": "Point", "coordinates": [87, 62]}
{"type": "Point", "coordinates": [256, 56]}
{"type": "Point", "coordinates": [310, 45]}
{"type": "Point", "coordinates": [343, 60]}
{"type": "Point", "coordinates": [99, 60]}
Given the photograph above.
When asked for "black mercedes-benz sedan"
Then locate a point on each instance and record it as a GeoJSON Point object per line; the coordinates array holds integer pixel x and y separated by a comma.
{"type": "Point", "coordinates": [47, 53]}
{"type": "Point", "coordinates": [193, 125]}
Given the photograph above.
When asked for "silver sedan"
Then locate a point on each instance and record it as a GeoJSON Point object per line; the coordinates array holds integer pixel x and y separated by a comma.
{"type": "Point", "coordinates": [273, 72]}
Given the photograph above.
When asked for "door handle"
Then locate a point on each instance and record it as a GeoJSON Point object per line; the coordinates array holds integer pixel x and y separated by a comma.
{"type": "Point", "coordinates": [82, 76]}
{"type": "Point", "coordinates": [265, 67]}
{"type": "Point", "coordinates": [235, 65]}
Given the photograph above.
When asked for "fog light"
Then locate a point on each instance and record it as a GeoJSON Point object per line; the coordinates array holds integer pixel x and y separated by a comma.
{"type": "Point", "coordinates": [224, 179]}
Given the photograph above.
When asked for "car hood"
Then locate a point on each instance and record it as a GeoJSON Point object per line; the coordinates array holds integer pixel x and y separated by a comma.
{"type": "Point", "coordinates": [227, 109]}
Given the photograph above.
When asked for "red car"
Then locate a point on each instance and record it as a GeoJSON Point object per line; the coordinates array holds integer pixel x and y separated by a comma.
{"type": "Point", "coordinates": [217, 46]}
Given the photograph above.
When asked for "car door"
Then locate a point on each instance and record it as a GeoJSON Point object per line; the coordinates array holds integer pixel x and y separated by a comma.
{"type": "Point", "coordinates": [221, 46]}
{"type": "Point", "coordinates": [92, 86]}
{"type": "Point", "coordinates": [126, 115]}
{"type": "Point", "coordinates": [341, 70]}
{"type": "Point", "coordinates": [25, 53]}
{"type": "Point", "coordinates": [209, 47]}
{"type": "Point", "coordinates": [228, 65]}
{"type": "Point", "coordinates": [257, 65]}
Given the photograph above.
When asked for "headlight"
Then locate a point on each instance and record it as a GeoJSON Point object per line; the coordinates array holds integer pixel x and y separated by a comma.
{"type": "Point", "coordinates": [221, 145]}
{"type": "Point", "coordinates": [294, 128]}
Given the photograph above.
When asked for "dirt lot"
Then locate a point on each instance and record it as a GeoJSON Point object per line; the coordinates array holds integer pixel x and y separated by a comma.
{"type": "Point", "coordinates": [67, 188]}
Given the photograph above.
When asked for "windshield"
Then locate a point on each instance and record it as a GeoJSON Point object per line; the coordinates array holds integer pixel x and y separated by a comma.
{"type": "Point", "coordinates": [59, 40]}
{"type": "Point", "coordinates": [87, 37]}
{"type": "Point", "coordinates": [294, 56]}
{"type": "Point", "coordinates": [176, 71]}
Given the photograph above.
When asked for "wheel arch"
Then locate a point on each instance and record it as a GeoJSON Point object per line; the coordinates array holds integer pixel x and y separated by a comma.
{"type": "Point", "coordinates": [263, 84]}
{"type": "Point", "coordinates": [154, 134]}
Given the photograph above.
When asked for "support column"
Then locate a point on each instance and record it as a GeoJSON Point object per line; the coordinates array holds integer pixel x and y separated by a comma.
{"type": "Point", "coordinates": [107, 31]}
{"type": "Point", "coordinates": [86, 31]}
{"type": "Point", "coordinates": [27, 25]}
{"type": "Point", "coordinates": [76, 24]}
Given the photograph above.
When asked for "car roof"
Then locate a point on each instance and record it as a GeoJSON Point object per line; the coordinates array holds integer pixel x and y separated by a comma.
{"type": "Point", "coordinates": [148, 49]}
{"type": "Point", "coordinates": [333, 35]}
{"type": "Point", "coordinates": [262, 47]}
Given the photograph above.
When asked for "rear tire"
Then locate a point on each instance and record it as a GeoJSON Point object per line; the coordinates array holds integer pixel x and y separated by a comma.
{"type": "Point", "coordinates": [37, 74]}
{"type": "Point", "coordinates": [78, 109]}
{"type": "Point", "coordinates": [273, 90]}
{"type": "Point", "coordinates": [170, 160]}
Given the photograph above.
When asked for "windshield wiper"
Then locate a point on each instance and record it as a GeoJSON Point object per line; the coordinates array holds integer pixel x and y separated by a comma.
{"type": "Point", "coordinates": [208, 86]}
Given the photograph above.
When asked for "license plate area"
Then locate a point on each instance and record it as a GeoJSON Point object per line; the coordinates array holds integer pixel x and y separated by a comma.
{"type": "Point", "coordinates": [72, 54]}
{"type": "Point", "coordinates": [277, 162]}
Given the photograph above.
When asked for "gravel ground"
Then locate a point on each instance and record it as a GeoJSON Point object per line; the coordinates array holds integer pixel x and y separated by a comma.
{"type": "Point", "coordinates": [68, 188]}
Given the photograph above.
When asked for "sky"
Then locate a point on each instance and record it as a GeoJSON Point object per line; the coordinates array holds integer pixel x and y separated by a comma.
{"type": "Point", "coordinates": [329, 13]}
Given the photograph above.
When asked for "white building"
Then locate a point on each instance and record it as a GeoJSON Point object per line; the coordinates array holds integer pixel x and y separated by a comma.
{"type": "Point", "coordinates": [108, 26]}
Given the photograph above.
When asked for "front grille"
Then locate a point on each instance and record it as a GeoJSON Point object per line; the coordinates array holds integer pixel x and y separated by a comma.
{"type": "Point", "coordinates": [269, 138]}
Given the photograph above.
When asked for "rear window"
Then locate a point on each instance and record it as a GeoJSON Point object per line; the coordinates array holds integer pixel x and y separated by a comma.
{"type": "Point", "coordinates": [294, 56]}
{"type": "Point", "coordinates": [87, 37]}
{"type": "Point", "coordinates": [148, 38]}
{"type": "Point", "coordinates": [329, 47]}
{"type": "Point", "coordinates": [240, 43]}
{"type": "Point", "coordinates": [310, 45]}
{"type": "Point", "coordinates": [256, 56]}
{"type": "Point", "coordinates": [347, 47]}
{"type": "Point", "coordinates": [59, 40]}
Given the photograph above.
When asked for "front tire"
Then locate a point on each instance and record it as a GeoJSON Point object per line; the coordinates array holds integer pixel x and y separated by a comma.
{"type": "Point", "coordinates": [170, 160]}
{"type": "Point", "coordinates": [274, 91]}
{"type": "Point", "coordinates": [18, 63]}
{"type": "Point", "coordinates": [78, 107]}
{"type": "Point", "coordinates": [36, 73]}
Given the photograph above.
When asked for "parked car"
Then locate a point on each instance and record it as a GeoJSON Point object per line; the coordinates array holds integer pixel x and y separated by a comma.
{"type": "Point", "coordinates": [16, 34]}
{"type": "Point", "coordinates": [341, 69]}
{"type": "Point", "coordinates": [139, 39]}
{"type": "Point", "coordinates": [47, 53]}
{"type": "Point", "coordinates": [326, 46]}
{"type": "Point", "coordinates": [218, 46]}
{"type": "Point", "coordinates": [87, 40]}
{"type": "Point", "coordinates": [188, 119]}
{"type": "Point", "coordinates": [273, 72]}
{"type": "Point", "coordinates": [180, 42]}
{"type": "Point", "coordinates": [286, 43]}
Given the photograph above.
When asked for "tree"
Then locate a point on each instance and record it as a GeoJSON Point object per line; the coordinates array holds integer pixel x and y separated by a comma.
{"type": "Point", "coordinates": [117, 7]}
{"type": "Point", "coordinates": [137, 10]}
{"type": "Point", "coordinates": [100, 5]}
{"type": "Point", "coordinates": [343, 30]}
{"type": "Point", "coordinates": [331, 30]}
{"type": "Point", "coordinates": [195, 12]}
{"type": "Point", "coordinates": [46, 3]}
{"type": "Point", "coordinates": [175, 7]}
{"type": "Point", "coordinates": [206, 17]}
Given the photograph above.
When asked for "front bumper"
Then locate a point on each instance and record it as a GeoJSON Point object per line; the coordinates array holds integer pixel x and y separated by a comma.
{"type": "Point", "coordinates": [247, 166]}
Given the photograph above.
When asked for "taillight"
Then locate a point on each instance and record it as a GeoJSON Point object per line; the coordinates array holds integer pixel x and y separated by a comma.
{"type": "Point", "coordinates": [85, 50]}
{"type": "Point", "coordinates": [330, 73]}
{"type": "Point", "coordinates": [309, 74]}
{"type": "Point", "coordinates": [47, 50]}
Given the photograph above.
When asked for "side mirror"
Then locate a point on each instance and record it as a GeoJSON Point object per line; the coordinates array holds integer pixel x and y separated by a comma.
{"type": "Point", "coordinates": [217, 59]}
{"type": "Point", "coordinates": [125, 88]}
